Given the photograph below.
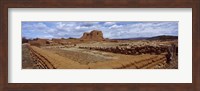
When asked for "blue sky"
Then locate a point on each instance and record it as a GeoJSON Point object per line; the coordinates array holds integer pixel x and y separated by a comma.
{"type": "Point", "coordinates": [110, 29]}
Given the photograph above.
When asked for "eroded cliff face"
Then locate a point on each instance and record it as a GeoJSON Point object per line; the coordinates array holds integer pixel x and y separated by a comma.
{"type": "Point", "coordinates": [94, 35]}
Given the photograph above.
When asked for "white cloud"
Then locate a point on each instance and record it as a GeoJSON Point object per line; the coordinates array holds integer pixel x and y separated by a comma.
{"type": "Point", "coordinates": [109, 29]}
{"type": "Point", "coordinates": [109, 23]}
{"type": "Point", "coordinates": [59, 25]}
{"type": "Point", "coordinates": [81, 27]}
{"type": "Point", "coordinates": [40, 25]}
{"type": "Point", "coordinates": [115, 26]}
{"type": "Point", "coordinates": [47, 36]}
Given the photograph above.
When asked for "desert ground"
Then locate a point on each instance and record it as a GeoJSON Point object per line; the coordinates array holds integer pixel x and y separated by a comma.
{"type": "Point", "coordinates": [92, 51]}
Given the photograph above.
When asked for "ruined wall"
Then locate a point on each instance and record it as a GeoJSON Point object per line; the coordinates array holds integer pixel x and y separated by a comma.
{"type": "Point", "coordinates": [133, 50]}
{"type": "Point", "coordinates": [66, 41]}
{"type": "Point", "coordinates": [94, 35]}
{"type": "Point", "coordinates": [38, 42]}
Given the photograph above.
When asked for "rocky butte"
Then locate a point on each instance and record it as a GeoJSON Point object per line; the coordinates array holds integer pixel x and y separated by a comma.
{"type": "Point", "coordinates": [94, 35]}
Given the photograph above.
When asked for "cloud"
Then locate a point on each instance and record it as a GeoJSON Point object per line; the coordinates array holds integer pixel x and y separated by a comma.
{"type": "Point", "coordinates": [109, 23]}
{"type": "Point", "coordinates": [109, 29]}
{"type": "Point", "coordinates": [115, 27]}
{"type": "Point", "coordinates": [59, 25]}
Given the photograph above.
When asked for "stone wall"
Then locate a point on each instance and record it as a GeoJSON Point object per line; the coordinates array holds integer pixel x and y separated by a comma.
{"type": "Point", "coordinates": [133, 50]}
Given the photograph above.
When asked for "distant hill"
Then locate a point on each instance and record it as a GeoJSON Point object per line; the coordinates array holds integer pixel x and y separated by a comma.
{"type": "Point", "coordinates": [138, 38]}
{"type": "Point", "coordinates": [162, 37]}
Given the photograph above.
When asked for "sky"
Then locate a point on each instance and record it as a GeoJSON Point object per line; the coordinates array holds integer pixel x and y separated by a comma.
{"type": "Point", "coordinates": [112, 30]}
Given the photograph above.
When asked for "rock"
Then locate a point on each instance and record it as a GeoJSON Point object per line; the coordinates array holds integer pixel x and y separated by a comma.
{"type": "Point", "coordinates": [94, 35]}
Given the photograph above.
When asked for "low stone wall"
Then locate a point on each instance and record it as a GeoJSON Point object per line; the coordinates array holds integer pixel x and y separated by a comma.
{"type": "Point", "coordinates": [131, 50]}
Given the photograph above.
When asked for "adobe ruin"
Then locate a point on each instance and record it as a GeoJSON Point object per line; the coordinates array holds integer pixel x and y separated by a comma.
{"type": "Point", "coordinates": [94, 35]}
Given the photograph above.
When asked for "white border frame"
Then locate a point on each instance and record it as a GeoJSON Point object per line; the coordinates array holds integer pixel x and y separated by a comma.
{"type": "Point", "coordinates": [181, 75]}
